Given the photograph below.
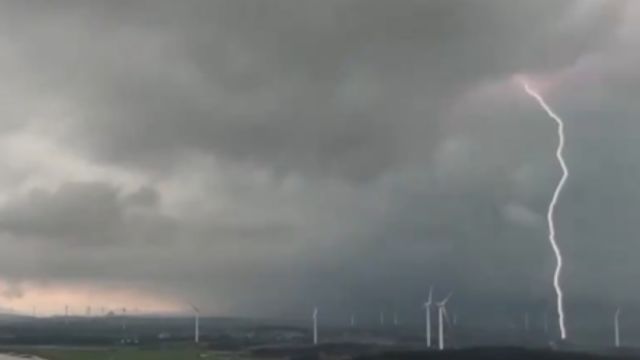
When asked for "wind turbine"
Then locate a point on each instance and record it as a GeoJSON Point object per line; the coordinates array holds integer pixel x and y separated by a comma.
{"type": "Point", "coordinates": [442, 313]}
{"type": "Point", "coordinates": [196, 332]}
{"type": "Point", "coordinates": [427, 314]}
{"type": "Point", "coordinates": [526, 322]}
{"type": "Point", "coordinates": [616, 324]}
{"type": "Point", "coordinates": [381, 318]}
{"type": "Point", "coordinates": [353, 320]}
{"type": "Point", "coordinates": [315, 326]}
{"type": "Point", "coordinates": [395, 318]}
{"type": "Point", "coordinates": [124, 318]}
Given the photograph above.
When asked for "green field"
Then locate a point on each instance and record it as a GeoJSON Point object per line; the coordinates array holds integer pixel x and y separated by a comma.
{"type": "Point", "coordinates": [189, 353]}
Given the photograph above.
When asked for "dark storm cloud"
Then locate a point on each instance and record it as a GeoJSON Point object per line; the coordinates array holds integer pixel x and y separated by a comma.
{"type": "Point", "coordinates": [74, 214]}
{"type": "Point", "coordinates": [343, 152]}
{"type": "Point", "coordinates": [82, 213]}
{"type": "Point", "coordinates": [336, 88]}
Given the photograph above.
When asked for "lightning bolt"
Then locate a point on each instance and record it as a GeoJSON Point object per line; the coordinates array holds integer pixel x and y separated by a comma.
{"type": "Point", "coordinates": [554, 201]}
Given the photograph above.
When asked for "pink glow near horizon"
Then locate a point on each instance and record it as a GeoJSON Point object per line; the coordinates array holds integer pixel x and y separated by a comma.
{"type": "Point", "coordinates": [51, 300]}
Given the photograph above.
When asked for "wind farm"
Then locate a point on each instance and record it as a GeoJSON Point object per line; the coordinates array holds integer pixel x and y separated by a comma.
{"type": "Point", "coordinates": [159, 335]}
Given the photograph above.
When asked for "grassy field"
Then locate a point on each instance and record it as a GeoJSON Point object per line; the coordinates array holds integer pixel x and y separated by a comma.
{"type": "Point", "coordinates": [186, 353]}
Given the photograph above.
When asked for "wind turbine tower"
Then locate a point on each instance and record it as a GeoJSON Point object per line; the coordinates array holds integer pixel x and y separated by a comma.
{"type": "Point", "coordinates": [442, 313]}
{"type": "Point", "coordinates": [124, 318]}
{"type": "Point", "coordinates": [196, 330]}
{"type": "Point", "coordinates": [616, 324]}
{"type": "Point", "coordinates": [427, 315]}
{"type": "Point", "coordinates": [315, 326]}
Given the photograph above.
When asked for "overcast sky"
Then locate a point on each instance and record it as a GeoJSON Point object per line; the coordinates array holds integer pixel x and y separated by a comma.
{"type": "Point", "coordinates": [260, 157]}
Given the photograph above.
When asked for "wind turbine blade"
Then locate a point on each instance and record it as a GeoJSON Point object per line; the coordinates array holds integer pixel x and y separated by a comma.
{"type": "Point", "coordinates": [446, 316]}
{"type": "Point", "coordinates": [448, 297]}
{"type": "Point", "coordinates": [445, 300]}
{"type": "Point", "coordinates": [195, 308]}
